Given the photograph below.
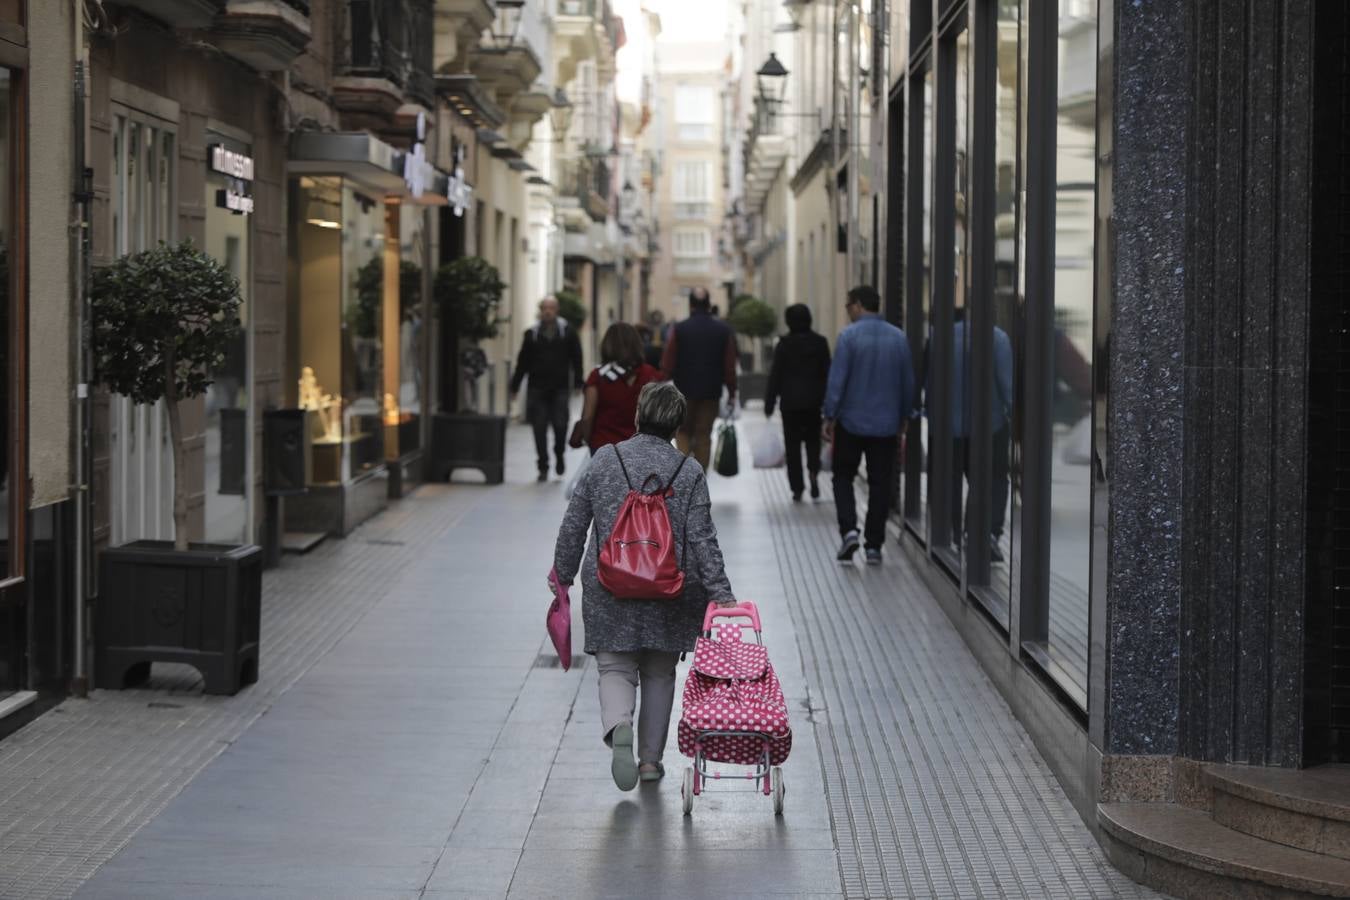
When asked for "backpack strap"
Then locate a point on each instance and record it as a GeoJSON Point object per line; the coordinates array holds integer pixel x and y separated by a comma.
{"type": "Point", "coordinates": [671, 482]}
{"type": "Point", "coordinates": [622, 467]}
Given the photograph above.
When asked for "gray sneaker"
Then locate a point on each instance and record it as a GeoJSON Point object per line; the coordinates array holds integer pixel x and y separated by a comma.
{"type": "Point", "coordinates": [848, 547]}
{"type": "Point", "coordinates": [874, 556]}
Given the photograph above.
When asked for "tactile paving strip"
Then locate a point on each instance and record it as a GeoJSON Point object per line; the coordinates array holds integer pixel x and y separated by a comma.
{"type": "Point", "coordinates": [934, 788]}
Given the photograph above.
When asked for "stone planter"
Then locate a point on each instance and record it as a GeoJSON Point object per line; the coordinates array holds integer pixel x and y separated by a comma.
{"type": "Point", "coordinates": [201, 606]}
{"type": "Point", "coordinates": [468, 441]}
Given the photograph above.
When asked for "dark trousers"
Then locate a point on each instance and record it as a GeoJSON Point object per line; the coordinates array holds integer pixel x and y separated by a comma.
{"type": "Point", "coordinates": [999, 489]}
{"type": "Point", "coordinates": [849, 452]}
{"type": "Point", "coordinates": [801, 429]}
{"type": "Point", "coordinates": [544, 409]}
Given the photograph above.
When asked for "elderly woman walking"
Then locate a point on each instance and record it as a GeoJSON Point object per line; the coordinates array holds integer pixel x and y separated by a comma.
{"type": "Point", "coordinates": [638, 642]}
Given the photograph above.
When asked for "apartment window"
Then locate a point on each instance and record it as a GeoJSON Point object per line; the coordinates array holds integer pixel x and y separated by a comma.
{"type": "Point", "coordinates": [693, 250]}
{"type": "Point", "coordinates": [693, 189]}
{"type": "Point", "coordinates": [143, 178]}
{"type": "Point", "coordinates": [695, 113]}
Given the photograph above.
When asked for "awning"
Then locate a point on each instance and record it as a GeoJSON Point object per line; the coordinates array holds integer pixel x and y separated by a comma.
{"type": "Point", "coordinates": [370, 161]}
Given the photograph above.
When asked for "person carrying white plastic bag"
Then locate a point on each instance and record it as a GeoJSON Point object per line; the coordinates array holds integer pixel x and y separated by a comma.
{"type": "Point", "coordinates": [767, 450]}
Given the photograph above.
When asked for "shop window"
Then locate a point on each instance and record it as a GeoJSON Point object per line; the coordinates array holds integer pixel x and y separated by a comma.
{"type": "Point", "coordinates": [339, 249]}
{"type": "Point", "coordinates": [1070, 419]}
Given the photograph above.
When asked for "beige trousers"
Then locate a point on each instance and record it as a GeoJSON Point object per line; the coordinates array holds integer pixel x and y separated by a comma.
{"type": "Point", "coordinates": [620, 675]}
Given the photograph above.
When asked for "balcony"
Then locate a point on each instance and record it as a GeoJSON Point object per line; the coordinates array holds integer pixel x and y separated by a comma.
{"type": "Point", "coordinates": [766, 149]}
{"type": "Point", "coordinates": [385, 62]}
{"type": "Point", "coordinates": [266, 35]}
{"type": "Point", "coordinates": [582, 30]}
{"type": "Point", "coordinates": [178, 13]}
{"type": "Point", "coordinates": [583, 190]}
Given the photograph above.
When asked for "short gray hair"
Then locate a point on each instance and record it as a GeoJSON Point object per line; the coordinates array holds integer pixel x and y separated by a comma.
{"type": "Point", "coordinates": [661, 409]}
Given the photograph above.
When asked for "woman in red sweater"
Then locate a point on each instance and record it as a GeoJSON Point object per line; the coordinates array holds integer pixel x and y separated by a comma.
{"type": "Point", "coordinates": [609, 413]}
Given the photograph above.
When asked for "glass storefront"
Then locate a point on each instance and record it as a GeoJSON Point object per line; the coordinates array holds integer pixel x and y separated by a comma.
{"type": "Point", "coordinates": [1010, 350]}
{"type": "Point", "coordinates": [358, 263]}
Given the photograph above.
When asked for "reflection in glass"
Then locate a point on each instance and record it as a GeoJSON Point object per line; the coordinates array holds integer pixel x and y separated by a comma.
{"type": "Point", "coordinates": [917, 443]}
{"type": "Point", "coordinates": [1071, 341]}
{"type": "Point", "coordinates": [1007, 308]}
{"type": "Point", "coordinates": [363, 236]}
{"type": "Point", "coordinates": [227, 400]}
{"type": "Point", "coordinates": [960, 399]}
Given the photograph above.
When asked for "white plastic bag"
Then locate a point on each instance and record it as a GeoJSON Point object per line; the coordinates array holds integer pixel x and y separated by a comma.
{"type": "Point", "coordinates": [767, 449]}
{"type": "Point", "coordinates": [575, 478]}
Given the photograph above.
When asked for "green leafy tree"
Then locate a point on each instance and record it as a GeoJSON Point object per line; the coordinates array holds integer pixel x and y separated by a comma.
{"type": "Point", "coordinates": [738, 300]}
{"type": "Point", "coordinates": [753, 317]}
{"type": "Point", "coordinates": [571, 308]}
{"type": "Point", "coordinates": [468, 296]}
{"type": "Point", "coordinates": [163, 320]}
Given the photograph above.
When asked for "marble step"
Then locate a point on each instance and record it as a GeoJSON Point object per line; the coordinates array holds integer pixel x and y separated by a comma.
{"type": "Point", "coordinates": [1184, 853]}
{"type": "Point", "coordinates": [1304, 808]}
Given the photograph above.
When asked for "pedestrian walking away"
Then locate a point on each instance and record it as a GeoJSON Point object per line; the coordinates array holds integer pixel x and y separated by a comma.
{"type": "Point", "coordinates": [868, 398]}
{"type": "Point", "coordinates": [797, 380]}
{"type": "Point", "coordinates": [609, 411]}
{"type": "Point", "coordinates": [550, 357]}
{"type": "Point", "coordinates": [637, 643]}
{"type": "Point", "coordinates": [700, 357]}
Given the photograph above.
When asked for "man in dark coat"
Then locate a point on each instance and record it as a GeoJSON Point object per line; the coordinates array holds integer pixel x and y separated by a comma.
{"type": "Point", "coordinates": [797, 379]}
{"type": "Point", "coordinates": [550, 356]}
{"type": "Point", "coordinates": [700, 358]}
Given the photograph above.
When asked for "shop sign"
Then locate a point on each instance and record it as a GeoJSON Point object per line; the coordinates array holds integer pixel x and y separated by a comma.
{"type": "Point", "coordinates": [237, 168]}
{"type": "Point", "coordinates": [457, 190]}
{"type": "Point", "coordinates": [417, 172]}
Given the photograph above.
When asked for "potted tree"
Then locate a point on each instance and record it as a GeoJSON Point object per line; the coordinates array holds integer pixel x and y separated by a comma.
{"type": "Point", "coordinates": [571, 308]}
{"type": "Point", "coordinates": [756, 320]}
{"type": "Point", "coordinates": [163, 319]}
{"type": "Point", "coordinates": [468, 295]}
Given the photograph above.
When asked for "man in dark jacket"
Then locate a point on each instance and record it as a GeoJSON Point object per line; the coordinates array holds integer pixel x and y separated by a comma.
{"type": "Point", "coordinates": [700, 358]}
{"type": "Point", "coordinates": [801, 368]}
{"type": "Point", "coordinates": [550, 356]}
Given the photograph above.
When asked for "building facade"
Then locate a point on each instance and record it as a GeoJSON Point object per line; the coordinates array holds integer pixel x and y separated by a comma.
{"type": "Point", "coordinates": [1127, 311]}
{"type": "Point", "coordinates": [692, 195]}
{"type": "Point", "coordinates": [39, 47]}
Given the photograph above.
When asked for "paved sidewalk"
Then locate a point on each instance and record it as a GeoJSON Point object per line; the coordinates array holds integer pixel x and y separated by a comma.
{"type": "Point", "coordinates": [411, 736]}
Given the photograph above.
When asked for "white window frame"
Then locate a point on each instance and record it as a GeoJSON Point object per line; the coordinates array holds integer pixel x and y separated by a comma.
{"type": "Point", "coordinates": [695, 113]}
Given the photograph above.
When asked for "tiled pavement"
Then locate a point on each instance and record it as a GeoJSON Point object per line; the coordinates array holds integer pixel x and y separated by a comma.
{"type": "Point", "coordinates": [408, 738]}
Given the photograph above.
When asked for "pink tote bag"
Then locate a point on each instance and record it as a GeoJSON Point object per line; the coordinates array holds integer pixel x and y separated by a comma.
{"type": "Point", "coordinates": [559, 620]}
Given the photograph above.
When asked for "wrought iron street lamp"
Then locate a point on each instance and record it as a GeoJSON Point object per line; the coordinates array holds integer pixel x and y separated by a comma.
{"type": "Point", "coordinates": [506, 28]}
{"type": "Point", "coordinates": [562, 112]}
{"type": "Point", "coordinates": [772, 78]}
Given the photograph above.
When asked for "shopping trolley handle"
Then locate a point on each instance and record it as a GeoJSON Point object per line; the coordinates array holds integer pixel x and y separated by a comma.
{"type": "Point", "coordinates": [745, 609]}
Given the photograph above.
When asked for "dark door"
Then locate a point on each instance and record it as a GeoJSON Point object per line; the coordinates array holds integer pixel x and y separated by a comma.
{"type": "Point", "coordinates": [13, 396]}
{"type": "Point", "coordinates": [1327, 673]}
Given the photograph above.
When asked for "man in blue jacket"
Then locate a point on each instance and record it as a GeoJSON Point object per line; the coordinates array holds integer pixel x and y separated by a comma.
{"type": "Point", "coordinates": [868, 399]}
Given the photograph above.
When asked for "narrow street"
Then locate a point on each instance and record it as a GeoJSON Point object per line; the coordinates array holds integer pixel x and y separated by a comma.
{"type": "Point", "coordinates": [412, 736]}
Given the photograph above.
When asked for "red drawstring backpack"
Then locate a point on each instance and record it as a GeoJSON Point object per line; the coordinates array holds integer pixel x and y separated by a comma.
{"type": "Point", "coordinates": [638, 561]}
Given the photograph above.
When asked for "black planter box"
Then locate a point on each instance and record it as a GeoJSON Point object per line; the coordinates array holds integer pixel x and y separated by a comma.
{"type": "Point", "coordinates": [201, 606]}
{"type": "Point", "coordinates": [468, 441]}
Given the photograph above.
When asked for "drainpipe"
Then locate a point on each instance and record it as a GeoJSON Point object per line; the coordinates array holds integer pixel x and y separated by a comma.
{"type": "Point", "coordinates": [83, 197]}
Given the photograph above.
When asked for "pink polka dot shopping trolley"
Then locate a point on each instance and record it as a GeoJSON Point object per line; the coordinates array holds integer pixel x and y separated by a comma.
{"type": "Point", "coordinates": [734, 711]}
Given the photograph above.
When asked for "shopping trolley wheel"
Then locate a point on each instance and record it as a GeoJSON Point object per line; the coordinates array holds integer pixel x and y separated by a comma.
{"type": "Point", "coordinates": [778, 790]}
{"type": "Point", "coordinates": [687, 791]}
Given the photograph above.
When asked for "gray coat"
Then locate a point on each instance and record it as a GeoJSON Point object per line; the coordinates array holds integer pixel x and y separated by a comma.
{"type": "Point", "coordinates": [618, 626]}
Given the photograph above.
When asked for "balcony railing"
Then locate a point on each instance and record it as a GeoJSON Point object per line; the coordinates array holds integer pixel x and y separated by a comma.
{"type": "Point", "coordinates": [587, 179]}
{"type": "Point", "coordinates": [393, 40]}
